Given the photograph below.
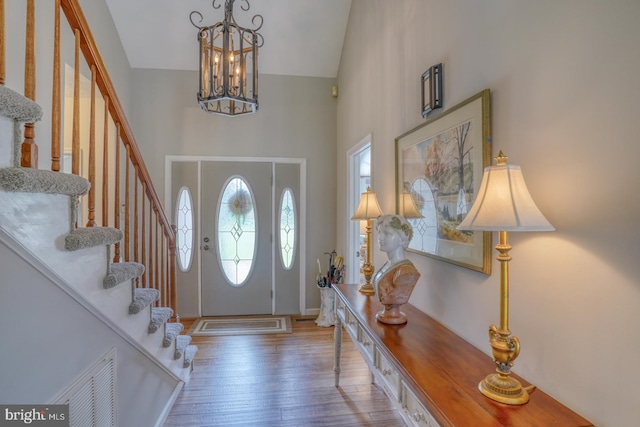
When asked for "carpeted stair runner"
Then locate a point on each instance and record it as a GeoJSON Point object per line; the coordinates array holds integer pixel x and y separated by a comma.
{"type": "Point", "coordinates": [18, 107]}
{"type": "Point", "coordinates": [143, 297]}
{"type": "Point", "coordinates": [171, 332]}
{"type": "Point", "coordinates": [121, 272]}
{"type": "Point", "coordinates": [182, 342]}
{"type": "Point", "coordinates": [189, 352]}
{"type": "Point", "coordinates": [159, 316]}
{"type": "Point", "coordinates": [82, 238]}
{"type": "Point", "coordinates": [25, 180]}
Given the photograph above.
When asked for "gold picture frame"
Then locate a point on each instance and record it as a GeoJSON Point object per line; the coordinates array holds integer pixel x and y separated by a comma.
{"type": "Point", "coordinates": [440, 163]}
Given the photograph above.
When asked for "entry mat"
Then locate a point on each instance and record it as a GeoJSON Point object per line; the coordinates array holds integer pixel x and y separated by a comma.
{"type": "Point", "coordinates": [240, 325]}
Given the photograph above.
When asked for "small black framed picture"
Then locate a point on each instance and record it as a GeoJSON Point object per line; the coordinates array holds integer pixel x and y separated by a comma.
{"type": "Point", "coordinates": [432, 95]}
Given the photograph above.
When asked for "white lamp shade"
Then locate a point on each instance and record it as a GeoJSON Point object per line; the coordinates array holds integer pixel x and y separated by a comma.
{"type": "Point", "coordinates": [504, 204]}
{"type": "Point", "coordinates": [408, 208]}
{"type": "Point", "coordinates": [368, 207]}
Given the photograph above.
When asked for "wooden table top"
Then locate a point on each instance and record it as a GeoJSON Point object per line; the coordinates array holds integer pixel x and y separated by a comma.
{"type": "Point", "coordinates": [444, 370]}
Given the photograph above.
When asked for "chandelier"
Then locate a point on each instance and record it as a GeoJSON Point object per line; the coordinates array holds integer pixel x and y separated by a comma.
{"type": "Point", "coordinates": [228, 63]}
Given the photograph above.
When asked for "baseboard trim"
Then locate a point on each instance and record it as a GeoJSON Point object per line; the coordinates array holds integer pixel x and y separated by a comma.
{"type": "Point", "coordinates": [167, 407]}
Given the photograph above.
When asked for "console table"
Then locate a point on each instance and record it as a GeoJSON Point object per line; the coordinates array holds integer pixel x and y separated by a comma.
{"type": "Point", "coordinates": [430, 374]}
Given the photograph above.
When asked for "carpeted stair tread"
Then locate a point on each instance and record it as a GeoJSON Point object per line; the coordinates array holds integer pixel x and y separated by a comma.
{"type": "Point", "coordinates": [121, 272]}
{"type": "Point", "coordinates": [171, 331]}
{"type": "Point", "coordinates": [182, 341]}
{"type": "Point", "coordinates": [18, 107]}
{"type": "Point", "coordinates": [159, 316]}
{"type": "Point", "coordinates": [81, 238]}
{"type": "Point", "coordinates": [189, 352]}
{"type": "Point", "coordinates": [26, 180]}
{"type": "Point", "coordinates": [143, 297]}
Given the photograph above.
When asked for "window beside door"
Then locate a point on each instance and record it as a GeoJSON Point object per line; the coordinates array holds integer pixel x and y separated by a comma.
{"type": "Point", "coordinates": [287, 228]}
{"type": "Point", "coordinates": [184, 231]}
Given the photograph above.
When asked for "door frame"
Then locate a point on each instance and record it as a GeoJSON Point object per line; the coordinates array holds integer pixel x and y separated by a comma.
{"type": "Point", "coordinates": [353, 198]}
{"type": "Point", "coordinates": [302, 238]}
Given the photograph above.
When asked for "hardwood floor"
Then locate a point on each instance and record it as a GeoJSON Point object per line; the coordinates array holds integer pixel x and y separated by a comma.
{"type": "Point", "coordinates": [279, 380]}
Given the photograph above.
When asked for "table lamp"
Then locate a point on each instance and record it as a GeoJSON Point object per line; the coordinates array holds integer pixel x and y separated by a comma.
{"type": "Point", "coordinates": [367, 210]}
{"type": "Point", "coordinates": [504, 204]}
{"type": "Point", "coordinates": [408, 207]}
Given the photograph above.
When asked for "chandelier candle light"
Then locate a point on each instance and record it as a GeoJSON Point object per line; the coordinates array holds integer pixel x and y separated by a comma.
{"type": "Point", "coordinates": [368, 210]}
{"type": "Point", "coordinates": [504, 204]}
{"type": "Point", "coordinates": [228, 63]}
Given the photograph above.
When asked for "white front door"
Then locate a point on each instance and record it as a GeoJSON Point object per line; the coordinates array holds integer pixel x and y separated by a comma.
{"type": "Point", "coordinates": [236, 247]}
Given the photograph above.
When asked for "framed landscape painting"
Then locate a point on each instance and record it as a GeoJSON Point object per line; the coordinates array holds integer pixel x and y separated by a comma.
{"type": "Point", "coordinates": [440, 163]}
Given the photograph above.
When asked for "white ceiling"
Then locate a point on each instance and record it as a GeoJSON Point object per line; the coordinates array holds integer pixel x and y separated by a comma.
{"type": "Point", "coordinates": [301, 37]}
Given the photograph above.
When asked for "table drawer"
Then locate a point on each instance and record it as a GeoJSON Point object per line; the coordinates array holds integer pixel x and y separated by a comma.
{"type": "Point", "coordinates": [390, 376]}
{"type": "Point", "coordinates": [350, 323]}
{"type": "Point", "coordinates": [414, 410]}
{"type": "Point", "coordinates": [366, 341]}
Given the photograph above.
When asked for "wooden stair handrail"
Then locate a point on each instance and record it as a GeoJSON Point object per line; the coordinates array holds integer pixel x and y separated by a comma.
{"type": "Point", "coordinates": [85, 43]}
{"type": "Point", "coordinates": [77, 20]}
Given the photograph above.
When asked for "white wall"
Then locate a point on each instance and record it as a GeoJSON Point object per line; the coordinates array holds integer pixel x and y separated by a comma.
{"type": "Point", "coordinates": [296, 119]}
{"type": "Point", "coordinates": [565, 90]}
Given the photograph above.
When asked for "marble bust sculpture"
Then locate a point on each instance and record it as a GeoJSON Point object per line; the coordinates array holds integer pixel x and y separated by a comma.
{"type": "Point", "coordinates": [397, 277]}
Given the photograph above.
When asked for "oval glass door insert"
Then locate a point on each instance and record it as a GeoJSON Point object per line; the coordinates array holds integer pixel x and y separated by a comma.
{"type": "Point", "coordinates": [237, 231]}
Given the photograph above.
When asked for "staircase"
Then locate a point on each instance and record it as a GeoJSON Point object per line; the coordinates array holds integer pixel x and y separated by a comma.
{"type": "Point", "coordinates": [81, 256]}
{"type": "Point", "coordinates": [127, 277]}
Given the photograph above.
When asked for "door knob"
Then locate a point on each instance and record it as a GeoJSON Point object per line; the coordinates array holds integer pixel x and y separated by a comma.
{"type": "Point", "coordinates": [205, 247]}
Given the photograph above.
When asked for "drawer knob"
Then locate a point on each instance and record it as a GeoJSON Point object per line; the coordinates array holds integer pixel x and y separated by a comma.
{"type": "Point", "coordinates": [417, 416]}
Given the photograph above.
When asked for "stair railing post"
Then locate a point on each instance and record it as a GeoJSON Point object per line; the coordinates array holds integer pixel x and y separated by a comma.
{"type": "Point", "coordinates": [173, 303]}
{"type": "Point", "coordinates": [75, 133]}
{"type": "Point", "coordinates": [127, 206]}
{"type": "Point", "coordinates": [143, 236]}
{"type": "Point", "coordinates": [149, 266]}
{"type": "Point", "coordinates": [55, 97]}
{"type": "Point", "coordinates": [136, 226]}
{"type": "Point", "coordinates": [163, 276]}
{"type": "Point", "coordinates": [92, 153]}
{"type": "Point", "coordinates": [105, 166]}
{"type": "Point", "coordinates": [3, 46]}
{"type": "Point", "coordinates": [116, 195]}
{"type": "Point", "coordinates": [29, 149]}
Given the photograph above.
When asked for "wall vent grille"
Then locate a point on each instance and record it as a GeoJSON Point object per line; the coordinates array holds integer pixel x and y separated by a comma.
{"type": "Point", "coordinates": [91, 398]}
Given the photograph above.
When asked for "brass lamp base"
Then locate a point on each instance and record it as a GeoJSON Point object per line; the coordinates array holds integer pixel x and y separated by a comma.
{"type": "Point", "coordinates": [504, 389]}
{"type": "Point", "coordinates": [367, 289]}
{"type": "Point", "coordinates": [368, 270]}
